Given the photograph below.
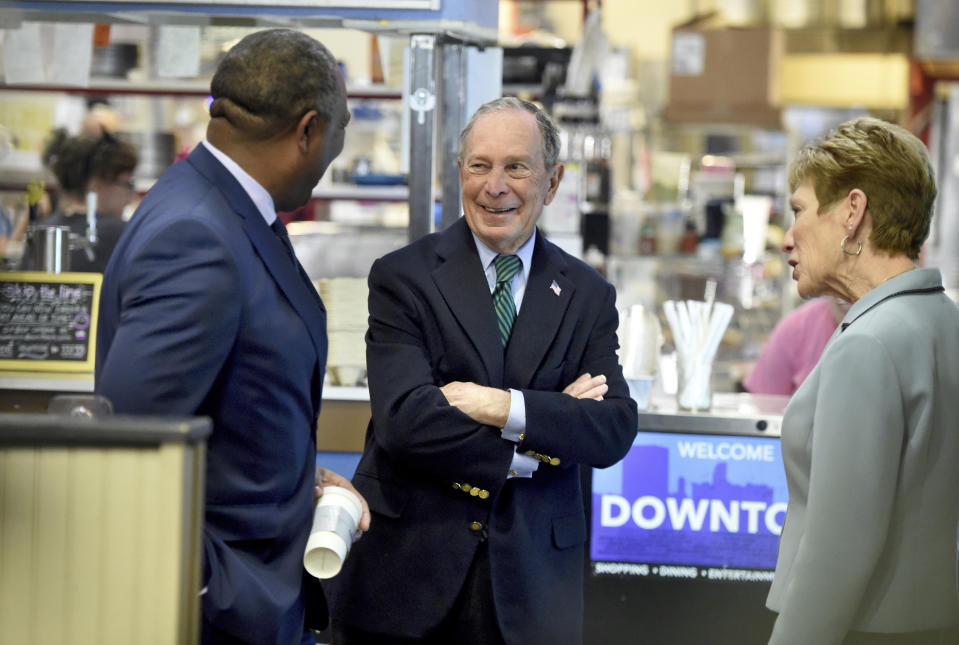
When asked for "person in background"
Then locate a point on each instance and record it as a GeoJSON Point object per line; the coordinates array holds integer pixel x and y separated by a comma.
{"type": "Point", "coordinates": [493, 377]}
{"type": "Point", "coordinates": [103, 165]}
{"type": "Point", "coordinates": [100, 117]}
{"type": "Point", "coordinates": [794, 346]}
{"type": "Point", "coordinates": [205, 311]}
{"type": "Point", "coordinates": [870, 443]}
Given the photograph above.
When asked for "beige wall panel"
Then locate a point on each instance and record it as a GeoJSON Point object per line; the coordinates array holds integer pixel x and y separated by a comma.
{"type": "Point", "coordinates": [877, 81]}
{"type": "Point", "coordinates": [94, 546]}
{"type": "Point", "coordinates": [82, 564]}
{"type": "Point", "coordinates": [16, 527]}
{"type": "Point", "coordinates": [51, 545]}
{"type": "Point", "coordinates": [645, 27]}
{"type": "Point", "coordinates": [342, 425]}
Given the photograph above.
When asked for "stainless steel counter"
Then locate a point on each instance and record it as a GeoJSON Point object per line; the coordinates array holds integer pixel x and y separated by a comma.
{"type": "Point", "coordinates": [742, 414]}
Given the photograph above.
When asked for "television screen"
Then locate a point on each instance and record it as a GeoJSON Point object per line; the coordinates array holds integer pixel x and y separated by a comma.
{"type": "Point", "coordinates": [684, 531]}
{"type": "Point", "coordinates": [690, 506]}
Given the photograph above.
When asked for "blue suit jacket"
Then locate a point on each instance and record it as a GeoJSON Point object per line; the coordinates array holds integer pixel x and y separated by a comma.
{"type": "Point", "coordinates": [204, 312]}
{"type": "Point", "coordinates": [436, 480]}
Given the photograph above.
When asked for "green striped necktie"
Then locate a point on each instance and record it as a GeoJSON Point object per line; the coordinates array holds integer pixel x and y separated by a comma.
{"type": "Point", "coordinates": [506, 268]}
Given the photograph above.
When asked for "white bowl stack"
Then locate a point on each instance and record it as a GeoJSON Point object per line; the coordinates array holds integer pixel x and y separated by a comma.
{"type": "Point", "coordinates": [346, 321]}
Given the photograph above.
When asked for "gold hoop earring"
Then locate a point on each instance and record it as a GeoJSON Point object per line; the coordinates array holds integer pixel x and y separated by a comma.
{"type": "Point", "coordinates": [842, 245]}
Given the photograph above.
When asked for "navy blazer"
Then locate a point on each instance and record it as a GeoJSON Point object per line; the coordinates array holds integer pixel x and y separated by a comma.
{"type": "Point", "coordinates": [204, 312]}
{"type": "Point", "coordinates": [436, 480]}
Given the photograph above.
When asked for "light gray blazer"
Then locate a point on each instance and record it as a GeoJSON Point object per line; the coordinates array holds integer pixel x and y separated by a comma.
{"type": "Point", "coordinates": [870, 443]}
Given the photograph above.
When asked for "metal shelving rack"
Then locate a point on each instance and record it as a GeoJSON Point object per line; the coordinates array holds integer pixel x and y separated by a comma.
{"type": "Point", "coordinates": [440, 33]}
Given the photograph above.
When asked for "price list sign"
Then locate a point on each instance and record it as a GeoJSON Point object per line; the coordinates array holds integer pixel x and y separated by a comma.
{"type": "Point", "coordinates": [48, 321]}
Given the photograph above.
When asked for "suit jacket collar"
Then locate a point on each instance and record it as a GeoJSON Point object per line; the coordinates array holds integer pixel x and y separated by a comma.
{"type": "Point", "coordinates": [218, 175]}
{"type": "Point", "coordinates": [462, 283]}
{"type": "Point", "coordinates": [259, 195]}
{"type": "Point", "coordinates": [460, 279]}
{"type": "Point", "coordinates": [913, 279]}
{"type": "Point", "coordinates": [288, 275]}
{"type": "Point", "coordinates": [548, 294]}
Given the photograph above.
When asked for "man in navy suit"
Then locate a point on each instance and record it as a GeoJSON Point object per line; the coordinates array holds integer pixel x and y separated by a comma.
{"type": "Point", "coordinates": [205, 311]}
{"type": "Point", "coordinates": [493, 377]}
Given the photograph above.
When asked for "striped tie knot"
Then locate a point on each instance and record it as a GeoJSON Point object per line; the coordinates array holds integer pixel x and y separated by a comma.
{"type": "Point", "coordinates": [507, 266]}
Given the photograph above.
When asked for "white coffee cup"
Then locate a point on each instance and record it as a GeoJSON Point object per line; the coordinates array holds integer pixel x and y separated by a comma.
{"type": "Point", "coordinates": [336, 519]}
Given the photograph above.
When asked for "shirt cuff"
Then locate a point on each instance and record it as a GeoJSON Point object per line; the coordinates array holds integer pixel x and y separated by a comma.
{"type": "Point", "coordinates": [516, 422]}
{"type": "Point", "coordinates": [522, 466]}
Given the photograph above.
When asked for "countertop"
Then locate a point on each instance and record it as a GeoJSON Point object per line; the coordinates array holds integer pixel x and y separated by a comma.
{"type": "Point", "coordinates": [730, 413]}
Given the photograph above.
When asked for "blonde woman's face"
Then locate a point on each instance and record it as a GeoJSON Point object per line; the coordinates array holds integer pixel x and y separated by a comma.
{"type": "Point", "coordinates": [813, 242]}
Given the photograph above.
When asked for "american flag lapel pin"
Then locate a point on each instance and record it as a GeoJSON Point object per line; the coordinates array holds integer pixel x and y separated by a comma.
{"type": "Point", "coordinates": [555, 288]}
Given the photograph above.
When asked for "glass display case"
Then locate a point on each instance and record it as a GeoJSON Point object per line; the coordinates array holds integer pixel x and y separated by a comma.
{"type": "Point", "coordinates": [758, 291]}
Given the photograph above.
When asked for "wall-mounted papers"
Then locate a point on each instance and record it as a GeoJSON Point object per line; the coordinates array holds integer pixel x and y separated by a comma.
{"type": "Point", "coordinates": [55, 53]}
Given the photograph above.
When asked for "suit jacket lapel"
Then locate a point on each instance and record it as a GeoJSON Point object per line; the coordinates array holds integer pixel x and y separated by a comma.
{"type": "Point", "coordinates": [462, 283]}
{"type": "Point", "coordinates": [297, 288]}
{"type": "Point", "coordinates": [300, 293]}
{"type": "Point", "coordinates": [540, 316]}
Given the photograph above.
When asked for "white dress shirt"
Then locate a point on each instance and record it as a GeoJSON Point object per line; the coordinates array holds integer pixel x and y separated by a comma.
{"type": "Point", "coordinates": [522, 465]}
{"type": "Point", "coordinates": [261, 199]}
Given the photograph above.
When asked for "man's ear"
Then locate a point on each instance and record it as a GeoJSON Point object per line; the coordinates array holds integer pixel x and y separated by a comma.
{"type": "Point", "coordinates": [309, 131]}
{"type": "Point", "coordinates": [555, 176]}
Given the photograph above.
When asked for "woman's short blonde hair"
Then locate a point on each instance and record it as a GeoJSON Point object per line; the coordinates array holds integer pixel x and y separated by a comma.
{"type": "Point", "coordinates": [889, 164]}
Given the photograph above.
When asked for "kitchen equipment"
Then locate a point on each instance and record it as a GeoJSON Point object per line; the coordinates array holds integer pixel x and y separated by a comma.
{"type": "Point", "coordinates": [50, 246]}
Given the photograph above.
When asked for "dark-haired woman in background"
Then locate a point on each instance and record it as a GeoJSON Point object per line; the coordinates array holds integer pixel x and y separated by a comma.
{"type": "Point", "coordinates": [82, 164]}
{"type": "Point", "coordinates": [870, 439]}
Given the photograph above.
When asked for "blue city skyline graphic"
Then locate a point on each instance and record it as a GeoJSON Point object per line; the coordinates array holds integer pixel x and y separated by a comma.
{"type": "Point", "coordinates": [745, 495]}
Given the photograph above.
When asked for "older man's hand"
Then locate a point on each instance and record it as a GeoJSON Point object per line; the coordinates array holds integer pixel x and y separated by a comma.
{"type": "Point", "coordinates": [488, 405]}
{"type": "Point", "coordinates": [587, 387]}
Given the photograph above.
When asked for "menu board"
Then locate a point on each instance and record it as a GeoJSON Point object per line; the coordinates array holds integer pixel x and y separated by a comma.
{"type": "Point", "coordinates": [48, 321]}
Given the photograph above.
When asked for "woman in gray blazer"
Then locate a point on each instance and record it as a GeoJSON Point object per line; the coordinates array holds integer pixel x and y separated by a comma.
{"type": "Point", "coordinates": [871, 438]}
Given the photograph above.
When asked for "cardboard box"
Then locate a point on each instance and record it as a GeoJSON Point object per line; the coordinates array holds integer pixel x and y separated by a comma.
{"type": "Point", "coordinates": [725, 75]}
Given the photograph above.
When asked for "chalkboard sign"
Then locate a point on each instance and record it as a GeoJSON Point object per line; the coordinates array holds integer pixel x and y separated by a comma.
{"type": "Point", "coordinates": [48, 321]}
